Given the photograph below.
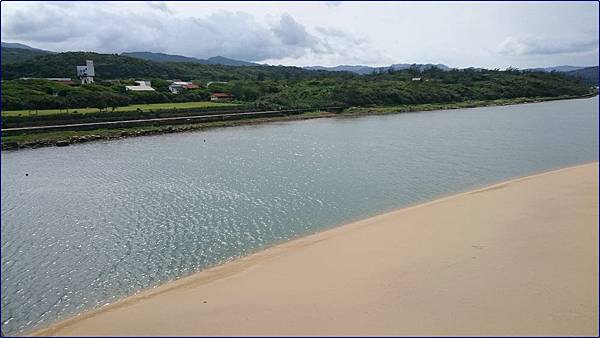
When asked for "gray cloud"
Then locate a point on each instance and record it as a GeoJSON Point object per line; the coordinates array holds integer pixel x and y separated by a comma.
{"type": "Point", "coordinates": [466, 34]}
{"type": "Point", "coordinates": [537, 46]}
{"type": "Point", "coordinates": [339, 34]}
{"type": "Point", "coordinates": [333, 3]}
{"type": "Point", "coordinates": [290, 32]}
{"type": "Point", "coordinates": [104, 28]}
{"type": "Point", "coordinates": [159, 5]}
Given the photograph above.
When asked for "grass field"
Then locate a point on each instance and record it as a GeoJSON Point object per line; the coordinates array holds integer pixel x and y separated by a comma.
{"type": "Point", "coordinates": [143, 107]}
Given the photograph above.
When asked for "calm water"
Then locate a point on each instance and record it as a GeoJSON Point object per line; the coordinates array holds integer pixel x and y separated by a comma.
{"type": "Point", "coordinates": [98, 221]}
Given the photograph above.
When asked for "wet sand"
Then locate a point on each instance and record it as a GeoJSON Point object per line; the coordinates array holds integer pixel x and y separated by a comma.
{"type": "Point", "coordinates": [515, 258]}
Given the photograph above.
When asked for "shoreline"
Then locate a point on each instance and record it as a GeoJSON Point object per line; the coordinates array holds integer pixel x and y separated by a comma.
{"type": "Point", "coordinates": [244, 266]}
{"type": "Point", "coordinates": [66, 138]}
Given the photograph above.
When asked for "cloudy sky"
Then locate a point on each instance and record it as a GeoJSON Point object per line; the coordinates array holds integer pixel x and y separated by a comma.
{"type": "Point", "coordinates": [459, 34]}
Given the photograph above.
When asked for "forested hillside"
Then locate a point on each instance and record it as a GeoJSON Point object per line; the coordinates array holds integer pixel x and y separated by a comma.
{"type": "Point", "coordinates": [12, 55]}
{"type": "Point", "coordinates": [266, 86]}
{"type": "Point", "coordinates": [162, 57]}
{"type": "Point", "coordinates": [112, 66]}
{"type": "Point", "coordinates": [588, 75]}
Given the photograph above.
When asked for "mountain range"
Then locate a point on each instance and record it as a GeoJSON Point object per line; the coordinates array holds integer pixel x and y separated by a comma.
{"type": "Point", "coordinates": [589, 75]}
{"type": "Point", "coordinates": [365, 70]}
{"type": "Point", "coordinates": [19, 46]}
{"type": "Point", "coordinates": [17, 52]}
{"type": "Point", "coordinates": [562, 69]}
{"type": "Point", "coordinates": [215, 60]}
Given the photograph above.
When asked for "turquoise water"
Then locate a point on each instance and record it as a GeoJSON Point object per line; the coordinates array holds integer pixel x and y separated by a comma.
{"type": "Point", "coordinates": [98, 221]}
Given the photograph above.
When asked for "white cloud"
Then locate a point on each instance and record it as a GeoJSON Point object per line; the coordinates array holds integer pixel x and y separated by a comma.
{"type": "Point", "coordinates": [459, 34]}
{"type": "Point", "coordinates": [333, 3]}
{"type": "Point", "coordinates": [159, 5]}
{"type": "Point", "coordinates": [546, 46]}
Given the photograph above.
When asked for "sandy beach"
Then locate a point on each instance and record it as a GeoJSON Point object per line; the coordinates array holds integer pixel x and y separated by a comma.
{"type": "Point", "coordinates": [515, 258]}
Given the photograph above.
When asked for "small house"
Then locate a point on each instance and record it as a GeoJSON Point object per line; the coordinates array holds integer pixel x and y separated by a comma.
{"type": "Point", "coordinates": [178, 86]}
{"type": "Point", "coordinates": [220, 97]}
{"type": "Point", "coordinates": [416, 79]}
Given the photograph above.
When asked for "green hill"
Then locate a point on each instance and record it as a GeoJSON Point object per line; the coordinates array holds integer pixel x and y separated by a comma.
{"type": "Point", "coordinates": [112, 66]}
{"type": "Point", "coordinates": [16, 52]}
{"type": "Point", "coordinates": [161, 57]}
{"type": "Point", "coordinates": [588, 75]}
{"type": "Point", "coordinates": [266, 86]}
{"type": "Point", "coordinates": [12, 55]}
{"type": "Point", "coordinates": [221, 60]}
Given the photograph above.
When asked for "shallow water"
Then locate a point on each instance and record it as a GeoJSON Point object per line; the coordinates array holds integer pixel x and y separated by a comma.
{"type": "Point", "coordinates": [98, 221]}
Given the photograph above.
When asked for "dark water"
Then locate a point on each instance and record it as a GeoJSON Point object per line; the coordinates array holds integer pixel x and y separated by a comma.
{"type": "Point", "coordinates": [94, 222]}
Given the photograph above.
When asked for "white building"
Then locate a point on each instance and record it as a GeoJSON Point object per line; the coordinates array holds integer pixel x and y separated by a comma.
{"type": "Point", "coordinates": [86, 73]}
{"type": "Point", "coordinates": [143, 86]}
{"type": "Point", "coordinates": [178, 86]}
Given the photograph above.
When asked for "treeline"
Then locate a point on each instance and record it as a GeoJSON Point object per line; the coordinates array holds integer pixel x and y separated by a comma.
{"type": "Point", "coordinates": [266, 86]}
{"type": "Point", "coordinates": [113, 66]}
{"type": "Point", "coordinates": [588, 75]}
{"type": "Point", "coordinates": [43, 94]}
{"type": "Point", "coordinates": [13, 55]}
{"type": "Point", "coordinates": [398, 88]}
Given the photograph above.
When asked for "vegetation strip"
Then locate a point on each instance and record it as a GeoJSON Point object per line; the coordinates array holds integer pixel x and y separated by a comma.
{"type": "Point", "coordinates": [67, 137]}
{"type": "Point", "coordinates": [44, 97]}
{"type": "Point", "coordinates": [171, 119]}
{"type": "Point", "coordinates": [135, 107]}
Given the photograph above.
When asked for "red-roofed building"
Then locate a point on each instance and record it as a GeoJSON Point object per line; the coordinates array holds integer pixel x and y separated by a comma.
{"type": "Point", "coordinates": [191, 86]}
{"type": "Point", "coordinates": [177, 86]}
{"type": "Point", "coordinates": [220, 97]}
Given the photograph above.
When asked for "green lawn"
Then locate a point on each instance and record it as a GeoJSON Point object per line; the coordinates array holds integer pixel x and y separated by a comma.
{"type": "Point", "coordinates": [144, 107]}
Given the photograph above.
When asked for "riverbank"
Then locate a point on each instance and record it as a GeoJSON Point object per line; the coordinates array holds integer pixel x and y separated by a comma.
{"type": "Point", "coordinates": [457, 105]}
{"type": "Point", "coordinates": [515, 258]}
{"type": "Point", "coordinates": [65, 138]}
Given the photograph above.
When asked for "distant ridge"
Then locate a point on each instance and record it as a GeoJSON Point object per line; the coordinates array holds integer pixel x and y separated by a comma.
{"type": "Point", "coordinates": [588, 75]}
{"type": "Point", "coordinates": [562, 69]}
{"type": "Point", "coordinates": [16, 52]}
{"type": "Point", "coordinates": [221, 60]}
{"type": "Point", "coordinates": [19, 46]}
{"type": "Point", "coordinates": [362, 70]}
{"type": "Point", "coordinates": [13, 52]}
{"type": "Point", "coordinates": [420, 67]}
{"type": "Point", "coordinates": [162, 57]}
{"type": "Point", "coordinates": [365, 70]}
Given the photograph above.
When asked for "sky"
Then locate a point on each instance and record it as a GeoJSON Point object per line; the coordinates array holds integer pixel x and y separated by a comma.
{"type": "Point", "coordinates": [327, 33]}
